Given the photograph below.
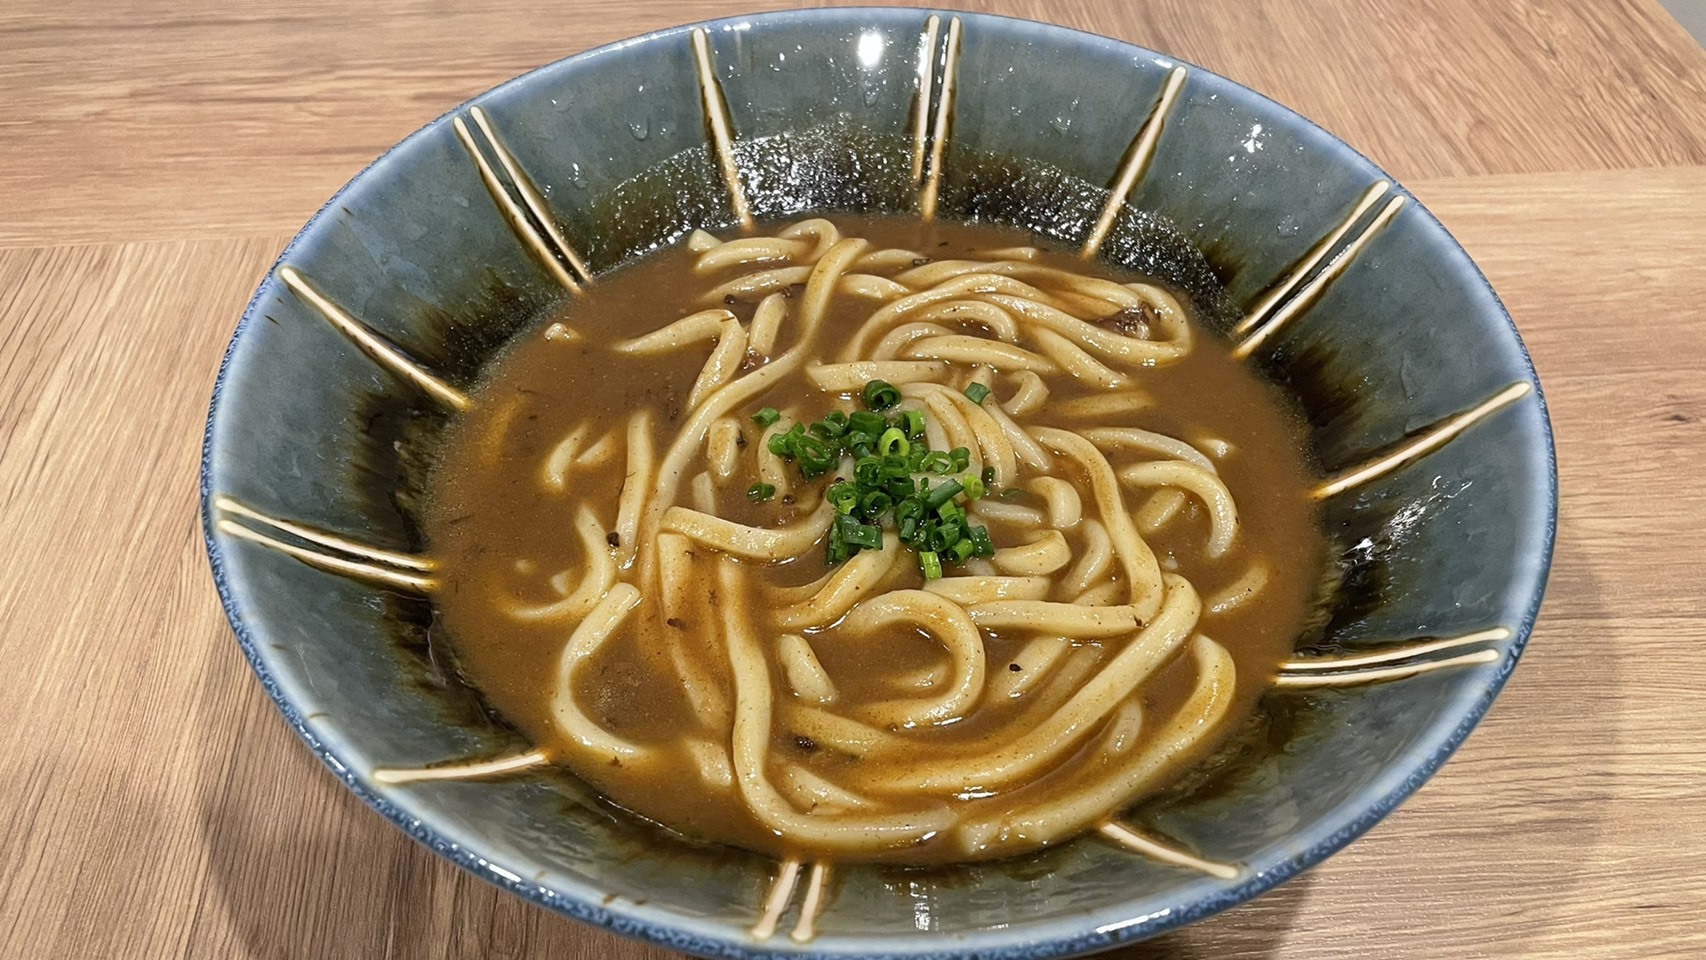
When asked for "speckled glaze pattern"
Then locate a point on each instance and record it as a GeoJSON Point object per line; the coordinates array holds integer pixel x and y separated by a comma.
{"type": "Point", "coordinates": [304, 426]}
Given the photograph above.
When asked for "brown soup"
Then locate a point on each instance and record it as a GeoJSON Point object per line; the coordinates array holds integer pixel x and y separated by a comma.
{"type": "Point", "coordinates": [624, 586]}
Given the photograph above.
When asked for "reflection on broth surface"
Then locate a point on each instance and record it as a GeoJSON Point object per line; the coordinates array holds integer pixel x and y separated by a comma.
{"type": "Point", "coordinates": [1054, 567]}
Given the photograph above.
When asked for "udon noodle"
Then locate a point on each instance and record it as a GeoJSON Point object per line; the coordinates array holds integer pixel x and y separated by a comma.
{"type": "Point", "coordinates": [681, 642]}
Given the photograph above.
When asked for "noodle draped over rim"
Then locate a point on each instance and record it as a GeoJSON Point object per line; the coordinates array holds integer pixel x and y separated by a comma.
{"type": "Point", "coordinates": [1086, 612]}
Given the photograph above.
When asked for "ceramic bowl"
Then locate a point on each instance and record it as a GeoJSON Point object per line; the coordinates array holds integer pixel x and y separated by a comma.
{"type": "Point", "coordinates": [1341, 287]}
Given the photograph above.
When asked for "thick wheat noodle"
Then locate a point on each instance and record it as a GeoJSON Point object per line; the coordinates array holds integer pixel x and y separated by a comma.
{"type": "Point", "coordinates": [1095, 558]}
{"type": "Point", "coordinates": [966, 349]}
{"type": "Point", "coordinates": [813, 792]}
{"type": "Point", "coordinates": [891, 344]}
{"type": "Point", "coordinates": [1124, 728]}
{"type": "Point", "coordinates": [766, 324]}
{"type": "Point", "coordinates": [599, 452]}
{"type": "Point", "coordinates": [1248, 584]}
{"type": "Point", "coordinates": [992, 318]}
{"type": "Point", "coordinates": [724, 362]}
{"type": "Point", "coordinates": [1065, 507]}
{"type": "Point", "coordinates": [1160, 751]}
{"type": "Point", "coordinates": [693, 328]}
{"type": "Point", "coordinates": [561, 457]}
{"type": "Point", "coordinates": [1098, 340]}
{"type": "Point", "coordinates": [848, 584]}
{"type": "Point", "coordinates": [957, 432]}
{"type": "Point", "coordinates": [1119, 404]}
{"type": "Point", "coordinates": [968, 590]}
{"type": "Point", "coordinates": [732, 395]}
{"type": "Point", "coordinates": [722, 448]}
{"type": "Point", "coordinates": [852, 376]}
{"type": "Point", "coordinates": [771, 468]}
{"type": "Point", "coordinates": [805, 675]}
{"type": "Point", "coordinates": [921, 678]}
{"type": "Point", "coordinates": [754, 706]}
{"type": "Point", "coordinates": [566, 713]}
{"type": "Point", "coordinates": [977, 284]}
{"type": "Point", "coordinates": [759, 283]}
{"type": "Point", "coordinates": [871, 287]}
{"type": "Point", "coordinates": [1199, 483]}
{"type": "Point", "coordinates": [1025, 446]}
{"type": "Point", "coordinates": [1042, 744]}
{"type": "Point", "coordinates": [1215, 447]}
{"type": "Point", "coordinates": [631, 501]}
{"type": "Point", "coordinates": [1036, 658]}
{"type": "Point", "coordinates": [599, 573]}
{"type": "Point", "coordinates": [1041, 556]}
{"type": "Point", "coordinates": [1001, 511]}
{"type": "Point", "coordinates": [823, 233]}
{"type": "Point", "coordinates": [1075, 361]}
{"type": "Point", "coordinates": [890, 258]}
{"type": "Point", "coordinates": [1078, 621]}
{"type": "Point", "coordinates": [1148, 441]}
{"type": "Point", "coordinates": [738, 253]}
{"type": "Point", "coordinates": [1103, 296]}
{"type": "Point", "coordinates": [934, 433]}
{"type": "Point", "coordinates": [990, 443]}
{"type": "Point", "coordinates": [712, 762]}
{"type": "Point", "coordinates": [1028, 397]}
{"type": "Point", "coordinates": [1100, 595]}
{"type": "Point", "coordinates": [982, 376]}
{"type": "Point", "coordinates": [681, 606]}
{"type": "Point", "coordinates": [751, 543]}
{"type": "Point", "coordinates": [844, 734]}
{"type": "Point", "coordinates": [701, 240]}
{"type": "Point", "coordinates": [675, 564]}
{"type": "Point", "coordinates": [947, 622]}
{"type": "Point", "coordinates": [1011, 253]}
{"type": "Point", "coordinates": [1092, 307]}
{"type": "Point", "coordinates": [702, 492]}
{"type": "Point", "coordinates": [1159, 510]}
{"type": "Point", "coordinates": [1137, 561]}
{"type": "Point", "coordinates": [705, 693]}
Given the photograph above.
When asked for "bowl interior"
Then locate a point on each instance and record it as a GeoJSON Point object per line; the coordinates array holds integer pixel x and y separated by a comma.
{"type": "Point", "coordinates": [822, 105]}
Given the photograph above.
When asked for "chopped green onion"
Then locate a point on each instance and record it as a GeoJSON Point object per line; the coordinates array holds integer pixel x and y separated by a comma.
{"type": "Point", "coordinates": [880, 395]}
{"type": "Point", "coordinates": [766, 417]}
{"type": "Point", "coordinates": [844, 495]}
{"type": "Point", "coordinates": [912, 421]}
{"type": "Point", "coordinates": [977, 393]}
{"type": "Point", "coordinates": [974, 488]}
{"type": "Point", "coordinates": [979, 539]}
{"type": "Point", "coordinates": [893, 442]}
{"type": "Point", "coordinates": [931, 564]}
{"type": "Point", "coordinates": [943, 494]}
{"type": "Point", "coordinates": [858, 534]}
{"type": "Point", "coordinates": [960, 457]}
{"type": "Point", "coordinates": [760, 492]}
{"type": "Point", "coordinates": [962, 550]}
{"type": "Point", "coordinates": [874, 504]}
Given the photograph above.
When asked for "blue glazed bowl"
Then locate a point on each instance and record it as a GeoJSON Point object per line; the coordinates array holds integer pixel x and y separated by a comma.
{"type": "Point", "coordinates": [1340, 286]}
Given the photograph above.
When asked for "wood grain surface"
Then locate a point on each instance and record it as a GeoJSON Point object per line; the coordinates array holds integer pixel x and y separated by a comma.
{"type": "Point", "coordinates": [155, 157]}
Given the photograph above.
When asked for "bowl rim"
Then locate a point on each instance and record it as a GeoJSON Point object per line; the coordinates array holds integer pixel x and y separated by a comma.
{"type": "Point", "coordinates": [1073, 938]}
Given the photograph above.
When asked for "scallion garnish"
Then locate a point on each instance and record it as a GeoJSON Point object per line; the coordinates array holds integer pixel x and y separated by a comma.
{"type": "Point", "coordinates": [891, 486]}
{"type": "Point", "coordinates": [977, 393]}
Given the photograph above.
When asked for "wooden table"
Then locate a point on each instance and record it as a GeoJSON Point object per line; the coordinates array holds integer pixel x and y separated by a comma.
{"type": "Point", "coordinates": [154, 158]}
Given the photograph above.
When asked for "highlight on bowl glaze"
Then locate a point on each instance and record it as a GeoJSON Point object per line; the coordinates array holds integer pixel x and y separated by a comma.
{"type": "Point", "coordinates": [1437, 447]}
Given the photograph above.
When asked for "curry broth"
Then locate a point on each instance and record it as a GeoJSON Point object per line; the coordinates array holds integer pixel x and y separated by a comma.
{"type": "Point", "coordinates": [500, 537]}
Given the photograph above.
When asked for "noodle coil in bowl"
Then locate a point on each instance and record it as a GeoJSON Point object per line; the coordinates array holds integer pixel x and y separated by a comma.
{"type": "Point", "coordinates": [860, 518]}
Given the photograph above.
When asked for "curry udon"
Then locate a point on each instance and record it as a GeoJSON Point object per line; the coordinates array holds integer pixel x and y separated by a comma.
{"type": "Point", "coordinates": [873, 540]}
